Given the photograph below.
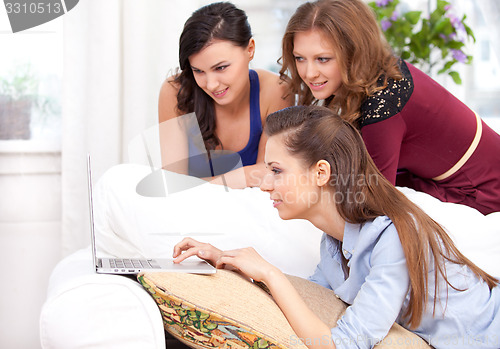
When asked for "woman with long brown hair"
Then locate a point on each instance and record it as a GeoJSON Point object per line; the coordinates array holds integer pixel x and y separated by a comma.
{"type": "Point", "coordinates": [418, 134]}
{"type": "Point", "coordinates": [380, 253]}
{"type": "Point", "coordinates": [230, 101]}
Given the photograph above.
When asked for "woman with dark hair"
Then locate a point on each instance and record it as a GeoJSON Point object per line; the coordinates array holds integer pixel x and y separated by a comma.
{"type": "Point", "coordinates": [418, 134]}
{"type": "Point", "coordinates": [230, 101]}
{"type": "Point", "coordinates": [380, 253]}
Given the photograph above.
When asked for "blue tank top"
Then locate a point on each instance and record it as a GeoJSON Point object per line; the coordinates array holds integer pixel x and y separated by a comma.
{"type": "Point", "coordinates": [222, 161]}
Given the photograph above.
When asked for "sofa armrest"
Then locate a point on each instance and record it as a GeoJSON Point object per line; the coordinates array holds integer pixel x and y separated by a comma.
{"type": "Point", "coordinates": [88, 310]}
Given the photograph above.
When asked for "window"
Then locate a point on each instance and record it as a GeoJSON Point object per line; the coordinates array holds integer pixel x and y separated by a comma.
{"type": "Point", "coordinates": [30, 82]}
{"type": "Point", "coordinates": [268, 20]}
{"type": "Point", "coordinates": [483, 86]}
{"type": "Point", "coordinates": [481, 79]}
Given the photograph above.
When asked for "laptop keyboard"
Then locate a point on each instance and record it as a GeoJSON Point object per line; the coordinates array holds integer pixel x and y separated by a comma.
{"type": "Point", "coordinates": [133, 263]}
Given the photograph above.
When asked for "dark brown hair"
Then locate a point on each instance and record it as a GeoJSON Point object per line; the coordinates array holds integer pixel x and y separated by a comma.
{"type": "Point", "coordinates": [361, 51]}
{"type": "Point", "coordinates": [313, 133]}
{"type": "Point", "coordinates": [217, 21]}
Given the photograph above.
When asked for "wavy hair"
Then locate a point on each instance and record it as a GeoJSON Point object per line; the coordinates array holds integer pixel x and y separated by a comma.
{"type": "Point", "coordinates": [217, 21]}
{"type": "Point", "coordinates": [313, 133]}
{"type": "Point", "coordinates": [364, 57]}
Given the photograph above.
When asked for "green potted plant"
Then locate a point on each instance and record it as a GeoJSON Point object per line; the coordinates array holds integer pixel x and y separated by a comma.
{"type": "Point", "coordinates": [18, 96]}
{"type": "Point", "coordinates": [434, 43]}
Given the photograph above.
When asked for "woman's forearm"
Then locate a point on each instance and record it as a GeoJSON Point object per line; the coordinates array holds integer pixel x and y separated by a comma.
{"type": "Point", "coordinates": [247, 176]}
{"type": "Point", "coordinates": [313, 332]}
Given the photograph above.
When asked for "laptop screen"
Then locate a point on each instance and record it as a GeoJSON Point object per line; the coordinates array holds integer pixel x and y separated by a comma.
{"type": "Point", "coordinates": [91, 211]}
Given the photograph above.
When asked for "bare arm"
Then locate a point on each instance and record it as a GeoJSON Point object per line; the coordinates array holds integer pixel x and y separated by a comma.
{"type": "Point", "coordinates": [247, 176]}
{"type": "Point", "coordinates": [173, 140]}
{"type": "Point", "coordinates": [314, 332]}
{"type": "Point", "coordinates": [275, 93]}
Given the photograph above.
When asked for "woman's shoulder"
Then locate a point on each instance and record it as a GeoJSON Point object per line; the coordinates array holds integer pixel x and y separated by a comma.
{"type": "Point", "coordinates": [274, 92]}
{"type": "Point", "coordinates": [267, 79]}
{"type": "Point", "coordinates": [388, 101]}
{"type": "Point", "coordinates": [375, 227]}
{"type": "Point", "coordinates": [169, 86]}
{"type": "Point", "coordinates": [381, 235]}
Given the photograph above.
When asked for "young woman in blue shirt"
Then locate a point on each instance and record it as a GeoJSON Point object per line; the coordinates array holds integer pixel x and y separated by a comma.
{"type": "Point", "coordinates": [380, 253]}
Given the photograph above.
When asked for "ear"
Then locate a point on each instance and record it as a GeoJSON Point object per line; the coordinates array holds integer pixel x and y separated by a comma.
{"type": "Point", "coordinates": [251, 48]}
{"type": "Point", "coordinates": [323, 171]}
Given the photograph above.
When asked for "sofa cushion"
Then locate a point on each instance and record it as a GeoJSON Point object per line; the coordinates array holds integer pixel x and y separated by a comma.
{"type": "Point", "coordinates": [227, 310]}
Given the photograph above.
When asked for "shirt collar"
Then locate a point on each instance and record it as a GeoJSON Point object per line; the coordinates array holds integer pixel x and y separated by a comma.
{"type": "Point", "coordinates": [351, 235]}
{"type": "Point", "coordinates": [332, 246]}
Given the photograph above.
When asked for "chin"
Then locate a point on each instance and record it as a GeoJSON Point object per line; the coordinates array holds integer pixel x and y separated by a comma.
{"type": "Point", "coordinates": [220, 101]}
{"type": "Point", "coordinates": [285, 216]}
{"type": "Point", "coordinates": [322, 95]}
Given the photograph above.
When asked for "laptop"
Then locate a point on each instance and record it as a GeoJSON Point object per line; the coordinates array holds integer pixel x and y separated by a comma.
{"type": "Point", "coordinates": [124, 266]}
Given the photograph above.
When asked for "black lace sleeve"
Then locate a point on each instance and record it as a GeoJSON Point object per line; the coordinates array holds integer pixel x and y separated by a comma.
{"type": "Point", "coordinates": [389, 101]}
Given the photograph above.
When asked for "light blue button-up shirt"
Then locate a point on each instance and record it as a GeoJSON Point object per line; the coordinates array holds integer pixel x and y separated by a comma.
{"type": "Point", "coordinates": [377, 291]}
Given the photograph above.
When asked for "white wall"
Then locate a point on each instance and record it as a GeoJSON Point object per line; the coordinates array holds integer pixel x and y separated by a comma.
{"type": "Point", "coordinates": [30, 226]}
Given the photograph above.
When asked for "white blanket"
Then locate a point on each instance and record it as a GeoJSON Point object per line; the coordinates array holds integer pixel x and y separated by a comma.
{"type": "Point", "coordinates": [131, 225]}
{"type": "Point", "coordinates": [476, 235]}
{"type": "Point", "coordinates": [128, 224]}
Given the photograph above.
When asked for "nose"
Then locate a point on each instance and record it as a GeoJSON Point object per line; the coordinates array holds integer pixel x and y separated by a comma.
{"type": "Point", "coordinates": [212, 82]}
{"type": "Point", "coordinates": [312, 70]}
{"type": "Point", "coordinates": [266, 184]}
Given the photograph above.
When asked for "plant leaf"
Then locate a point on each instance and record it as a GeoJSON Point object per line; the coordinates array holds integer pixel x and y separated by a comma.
{"type": "Point", "coordinates": [413, 17]}
{"type": "Point", "coordinates": [456, 77]}
{"type": "Point", "coordinates": [447, 66]}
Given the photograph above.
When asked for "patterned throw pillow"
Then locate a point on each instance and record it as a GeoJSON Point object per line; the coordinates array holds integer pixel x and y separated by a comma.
{"type": "Point", "coordinates": [228, 311]}
{"type": "Point", "coordinates": [219, 310]}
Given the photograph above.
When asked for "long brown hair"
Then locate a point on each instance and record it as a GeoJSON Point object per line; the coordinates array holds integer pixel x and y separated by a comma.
{"type": "Point", "coordinates": [314, 133]}
{"type": "Point", "coordinates": [217, 21]}
{"type": "Point", "coordinates": [365, 59]}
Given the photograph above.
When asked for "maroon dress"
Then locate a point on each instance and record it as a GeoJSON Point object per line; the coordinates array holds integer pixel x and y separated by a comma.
{"type": "Point", "coordinates": [415, 130]}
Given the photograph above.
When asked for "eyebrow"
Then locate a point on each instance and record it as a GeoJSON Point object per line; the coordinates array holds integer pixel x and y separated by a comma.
{"type": "Point", "coordinates": [272, 162]}
{"type": "Point", "coordinates": [323, 53]}
{"type": "Point", "coordinates": [218, 64]}
{"type": "Point", "coordinates": [213, 66]}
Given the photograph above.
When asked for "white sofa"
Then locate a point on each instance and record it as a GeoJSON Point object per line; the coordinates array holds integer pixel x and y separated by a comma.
{"type": "Point", "coordinates": [87, 310]}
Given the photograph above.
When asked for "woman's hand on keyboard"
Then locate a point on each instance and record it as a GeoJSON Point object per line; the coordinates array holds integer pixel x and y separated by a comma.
{"type": "Point", "coordinates": [190, 247]}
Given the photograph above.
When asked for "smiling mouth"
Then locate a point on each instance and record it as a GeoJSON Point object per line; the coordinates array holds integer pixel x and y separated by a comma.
{"type": "Point", "coordinates": [317, 84]}
{"type": "Point", "coordinates": [219, 93]}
